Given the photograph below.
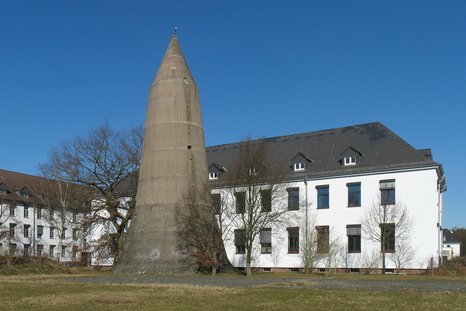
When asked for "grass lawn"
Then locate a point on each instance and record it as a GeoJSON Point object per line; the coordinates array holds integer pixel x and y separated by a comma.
{"type": "Point", "coordinates": [53, 292]}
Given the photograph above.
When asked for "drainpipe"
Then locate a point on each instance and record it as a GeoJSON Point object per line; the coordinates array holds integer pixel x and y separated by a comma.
{"type": "Point", "coordinates": [33, 230]}
{"type": "Point", "coordinates": [307, 217]}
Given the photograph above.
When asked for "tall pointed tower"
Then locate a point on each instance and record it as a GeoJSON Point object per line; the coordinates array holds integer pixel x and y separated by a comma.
{"type": "Point", "coordinates": [173, 163]}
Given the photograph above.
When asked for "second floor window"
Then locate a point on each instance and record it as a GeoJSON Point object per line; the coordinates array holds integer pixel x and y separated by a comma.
{"type": "Point", "coordinates": [266, 200]}
{"type": "Point", "coordinates": [354, 194]}
{"type": "Point", "coordinates": [323, 197]}
{"type": "Point", "coordinates": [26, 211]}
{"type": "Point", "coordinates": [293, 199]}
{"type": "Point", "coordinates": [26, 231]}
{"type": "Point", "coordinates": [240, 198]}
{"type": "Point", "coordinates": [387, 192]}
{"type": "Point", "coordinates": [40, 231]}
{"type": "Point", "coordinates": [217, 203]}
{"type": "Point", "coordinates": [52, 232]}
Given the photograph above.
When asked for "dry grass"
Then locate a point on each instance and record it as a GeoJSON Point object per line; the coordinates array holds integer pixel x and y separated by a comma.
{"type": "Point", "coordinates": [53, 292]}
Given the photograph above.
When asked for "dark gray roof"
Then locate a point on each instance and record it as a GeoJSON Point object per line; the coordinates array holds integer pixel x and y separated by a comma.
{"type": "Point", "coordinates": [377, 146]}
{"type": "Point", "coordinates": [448, 237]}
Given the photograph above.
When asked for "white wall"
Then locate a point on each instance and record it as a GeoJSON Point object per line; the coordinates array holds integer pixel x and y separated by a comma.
{"type": "Point", "coordinates": [416, 189]}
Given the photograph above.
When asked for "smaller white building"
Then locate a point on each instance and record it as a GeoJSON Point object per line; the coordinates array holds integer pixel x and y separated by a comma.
{"type": "Point", "coordinates": [451, 246]}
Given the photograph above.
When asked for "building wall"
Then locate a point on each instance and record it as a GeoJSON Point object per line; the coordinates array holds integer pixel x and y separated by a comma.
{"type": "Point", "coordinates": [33, 240]}
{"type": "Point", "coordinates": [416, 189]}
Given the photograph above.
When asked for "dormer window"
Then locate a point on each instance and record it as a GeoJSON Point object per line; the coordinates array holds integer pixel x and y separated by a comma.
{"type": "Point", "coordinates": [299, 166]}
{"type": "Point", "coordinates": [300, 162]}
{"type": "Point", "coordinates": [213, 176]}
{"type": "Point", "coordinates": [349, 161]}
{"type": "Point", "coordinates": [253, 172]}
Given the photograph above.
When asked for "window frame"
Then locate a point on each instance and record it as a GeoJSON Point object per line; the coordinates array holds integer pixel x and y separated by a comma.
{"type": "Point", "coordinates": [352, 194]}
{"type": "Point", "coordinates": [293, 240]}
{"type": "Point", "coordinates": [323, 239]}
{"type": "Point", "coordinates": [266, 200]}
{"type": "Point", "coordinates": [299, 166]}
{"type": "Point", "coordinates": [240, 202]}
{"type": "Point", "coordinates": [354, 240]}
{"type": "Point", "coordinates": [390, 242]}
{"type": "Point", "coordinates": [213, 175]}
{"type": "Point", "coordinates": [293, 198]}
{"type": "Point", "coordinates": [266, 247]}
{"type": "Point", "coordinates": [240, 246]}
{"type": "Point", "coordinates": [387, 192]}
{"type": "Point", "coordinates": [323, 197]}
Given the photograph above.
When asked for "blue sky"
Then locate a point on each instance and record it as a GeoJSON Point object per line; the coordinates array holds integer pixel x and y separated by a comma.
{"type": "Point", "coordinates": [263, 68]}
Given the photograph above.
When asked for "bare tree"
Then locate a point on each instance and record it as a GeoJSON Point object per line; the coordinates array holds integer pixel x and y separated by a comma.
{"type": "Point", "coordinates": [106, 161]}
{"type": "Point", "coordinates": [201, 238]}
{"type": "Point", "coordinates": [4, 216]}
{"type": "Point", "coordinates": [388, 224]}
{"type": "Point", "coordinates": [257, 190]}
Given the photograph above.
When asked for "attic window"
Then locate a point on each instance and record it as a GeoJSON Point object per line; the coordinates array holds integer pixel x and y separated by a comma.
{"type": "Point", "coordinates": [24, 194]}
{"type": "Point", "coordinates": [3, 191]}
{"type": "Point", "coordinates": [349, 161]}
{"type": "Point", "coordinates": [299, 166]}
{"type": "Point", "coordinates": [253, 172]}
{"type": "Point", "coordinates": [213, 176]}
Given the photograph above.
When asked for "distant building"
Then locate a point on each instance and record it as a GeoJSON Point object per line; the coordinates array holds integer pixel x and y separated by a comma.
{"type": "Point", "coordinates": [32, 223]}
{"type": "Point", "coordinates": [451, 246]}
{"type": "Point", "coordinates": [340, 173]}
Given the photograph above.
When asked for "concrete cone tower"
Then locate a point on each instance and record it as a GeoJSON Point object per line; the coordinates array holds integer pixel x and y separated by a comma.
{"type": "Point", "coordinates": [173, 163]}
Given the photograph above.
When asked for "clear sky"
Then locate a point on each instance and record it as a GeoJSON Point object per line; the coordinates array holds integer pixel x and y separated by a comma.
{"type": "Point", "coordinates": [263, 68]}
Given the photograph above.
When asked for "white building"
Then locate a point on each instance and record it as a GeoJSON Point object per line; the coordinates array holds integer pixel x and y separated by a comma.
{"type": "Point", "coordinates": [29, 227]}
{"type": "Point", "coordinates": [334, 177]}
{"type": "Point", "coordinates": [451, 245]}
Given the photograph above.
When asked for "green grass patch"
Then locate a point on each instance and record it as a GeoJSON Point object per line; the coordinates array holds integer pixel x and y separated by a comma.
{"type": "Point", "coordinates": [53, 292]}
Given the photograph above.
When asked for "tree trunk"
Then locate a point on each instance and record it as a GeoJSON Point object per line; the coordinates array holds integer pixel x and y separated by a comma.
{"type": "Point", "coordinates": [248, 263]}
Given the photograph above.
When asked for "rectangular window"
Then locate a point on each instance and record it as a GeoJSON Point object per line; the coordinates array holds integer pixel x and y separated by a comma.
{"type": "Point", "coordinates": [299, 166]}
{"type": "Point", "coordinates": [63, 251]}
{"type": "Point", "coordinates": [40, 231]}
{"type": "Point", "coordinates": [12, 210]}
{"type": "Point", "coordinates": [217, 202]}
{"type": "Point", "coordinates": [240, 241]}
{"type": "Point", "coordinates": [387, 238]}
{"type": "Point", "coordinates": [74, 216]}
{"type": "Point", "coordinates": [323, 196]}
{"type": "Point", "coordinates": [266, 201]}
{"type": "Point", "coordinates": [74, 251]}
{"type": "Point", "coordinates": [26, 211]}
{"type": "Point", "coordinates": [354, 194]}
{"type": "Point", "coordinates": [387, 192]}
{"type": "Point", "coordinates": [354, 238]}
{"type": "Point", "coordinates": [40, 247]}
{"type": "Point", "coordinates": [266, 240]}
{"type": "Point", "coordinates": [52, 232]}
{"type": "Point", "coordinates": [26, 250]}
{"type": "Point", "coordinates": [12, 249]}
{"type": "Point", "coordinates": [52, 250]}
{"type": "Point", "coordinates": [293, 240]}
{"type": "Point", "coordinates": [75, 234]}
{"type": "Point", "coordinates": [63, 233]}
{"type": "Point", "coordinates": [51, 214]}
{"type": "Point", "coordinates": [293, 199]}
{"type": "Point", "coordinates": [323, 239]}
{"type": "Point", "coordinates": [12, 230]}
{"type": "Point", "coordinates": [240, 198]}
{"type": "Point", "coordinates": [213, 176]}
{"type": "Point", "coordinates": [26, 231]}
{"type": "Point", "coordinates": [39, 213]}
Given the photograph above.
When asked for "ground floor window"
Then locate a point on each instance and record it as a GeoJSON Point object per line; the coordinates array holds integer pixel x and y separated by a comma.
{"type": "Point", "coordinates": [354, 238]}
{"type": "Point", "coordinates": [266, 240]}
{"type": "Point", "coordinates": [387, 238]}
{"type": "Point", "coordinates": [323, 239]}
{"type": "Point", "coordinates": [240, 241]}
{"type": "Point", "coordinates": [293, 240]}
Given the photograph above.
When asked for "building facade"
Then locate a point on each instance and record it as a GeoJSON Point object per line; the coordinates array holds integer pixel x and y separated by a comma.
{"type": "Point", "coordinates": [331, 182]}
{"type": "Point", "coordinates": [31, 224]}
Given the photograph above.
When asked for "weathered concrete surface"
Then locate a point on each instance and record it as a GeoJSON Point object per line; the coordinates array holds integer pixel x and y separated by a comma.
{"type": "Point", "coordinates": [173, 163]}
